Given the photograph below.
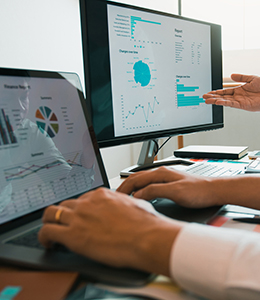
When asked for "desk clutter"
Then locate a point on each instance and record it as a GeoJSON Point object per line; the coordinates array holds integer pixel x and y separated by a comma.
{"type": "Point", "coordinates": [162, 288]}
{"type": "Point", "coordinates": [209, 151]}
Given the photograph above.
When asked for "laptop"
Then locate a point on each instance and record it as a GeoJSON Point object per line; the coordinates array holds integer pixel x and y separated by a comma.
{"type": "Point", "coordinates": [48, 154]}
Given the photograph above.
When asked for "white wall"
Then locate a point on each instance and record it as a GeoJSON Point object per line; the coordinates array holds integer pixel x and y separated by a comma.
{"type": "Point", "coordinates": [241, 61]}
{"type": "Point", "coordinates": [41, 35]}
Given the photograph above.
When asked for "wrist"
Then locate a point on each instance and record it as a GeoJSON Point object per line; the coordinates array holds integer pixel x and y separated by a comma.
{"type": "Point", "coordinates": [219, 188]}
{"type": "Point", "coordinates": [241, 190]}
{"type": "Point", "coordinates": [155, 244]}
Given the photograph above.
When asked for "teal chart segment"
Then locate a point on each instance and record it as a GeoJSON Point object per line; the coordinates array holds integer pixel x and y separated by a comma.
{"type": "Point", "coordinates": [142, 73]}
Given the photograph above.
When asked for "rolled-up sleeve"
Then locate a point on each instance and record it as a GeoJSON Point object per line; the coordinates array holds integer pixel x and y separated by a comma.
{"type": "Point", "coordinates": [217, 263]}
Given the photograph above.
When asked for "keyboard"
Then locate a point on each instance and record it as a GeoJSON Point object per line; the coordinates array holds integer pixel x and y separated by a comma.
{"type": "Point", "coordinates": [253, 167]}
{"type": "Point", "coordinates": [215, 170]}
{"type": "Point", "coordinates": [30, 239]}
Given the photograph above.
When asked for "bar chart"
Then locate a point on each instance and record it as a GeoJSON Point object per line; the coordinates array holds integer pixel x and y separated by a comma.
{"type": "Point", "coordinates": [186, 95]}
{"type": "Point", "coordinates": [134, 22]}
{"type": "Point", "coordinates": [7, 135]}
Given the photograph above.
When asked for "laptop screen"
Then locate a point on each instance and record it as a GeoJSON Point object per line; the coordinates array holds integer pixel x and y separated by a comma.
{"type": "Point", "coordinates": [47, 149]}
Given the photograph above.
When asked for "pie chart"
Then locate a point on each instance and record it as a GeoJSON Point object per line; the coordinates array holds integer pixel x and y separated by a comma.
{"type": "Point", "coordinates": [47, 121]}
{"type": "Point", "coordinates": [142, 73]}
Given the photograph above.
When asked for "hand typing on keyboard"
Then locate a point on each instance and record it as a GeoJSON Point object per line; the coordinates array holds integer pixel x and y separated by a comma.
{"type": "Point", "coordinates": [171, 184]}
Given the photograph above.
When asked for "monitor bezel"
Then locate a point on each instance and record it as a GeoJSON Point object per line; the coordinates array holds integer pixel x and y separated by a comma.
{"type": "Point", "coordinates": [216, 73]}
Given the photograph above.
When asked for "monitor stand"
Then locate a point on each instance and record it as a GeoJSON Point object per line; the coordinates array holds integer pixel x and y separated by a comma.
{"type": "Point", "coordinates": [146, 160]}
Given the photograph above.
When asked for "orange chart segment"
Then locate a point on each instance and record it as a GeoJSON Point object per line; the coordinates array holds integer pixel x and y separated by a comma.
{"type": "Point", "coordinates": [39, 115]}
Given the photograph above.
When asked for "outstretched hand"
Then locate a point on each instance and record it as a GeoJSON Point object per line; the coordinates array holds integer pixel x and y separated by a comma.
{"type": "Point", "coordinates": [184, 189]}
{"type": "Point", "coordinates": [246, 96]}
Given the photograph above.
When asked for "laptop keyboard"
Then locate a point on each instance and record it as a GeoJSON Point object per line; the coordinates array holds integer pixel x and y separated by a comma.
{"type": "Point", "coordinates": [213, 170]}
{"type": "Point", "coordinates": [30, 239]}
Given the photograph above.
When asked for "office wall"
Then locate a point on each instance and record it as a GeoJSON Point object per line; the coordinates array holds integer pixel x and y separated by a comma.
{"type": "Point", "coordinates": [40, 35]}
{"type": "Point", "coordinates": [46, 35]}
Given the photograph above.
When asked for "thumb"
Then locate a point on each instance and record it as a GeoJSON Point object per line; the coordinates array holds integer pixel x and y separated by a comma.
{"type": "Point", "coordinates": [242, 78]}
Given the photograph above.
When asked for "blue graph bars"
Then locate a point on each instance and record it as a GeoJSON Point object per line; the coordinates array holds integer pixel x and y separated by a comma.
{"type": "Point", "coordinates": [187, 100]}
{"type": "Point", "coordinates": [134, 20]}
{"type": "Point", "coordinates": [183, 88]}
{"type": "Point", "coordinates": [6, 130]}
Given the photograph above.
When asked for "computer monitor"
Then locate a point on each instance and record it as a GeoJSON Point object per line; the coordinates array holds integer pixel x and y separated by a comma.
{"type": "Point", "coordinates": [146, 72]}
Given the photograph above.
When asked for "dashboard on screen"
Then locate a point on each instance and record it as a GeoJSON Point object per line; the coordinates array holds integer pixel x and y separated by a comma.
{"type": "Point", "coordinates": [146, 72]}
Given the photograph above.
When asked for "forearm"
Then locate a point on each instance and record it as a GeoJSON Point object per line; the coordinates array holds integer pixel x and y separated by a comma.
{"type": "Point", "coordinates": [240, 190]}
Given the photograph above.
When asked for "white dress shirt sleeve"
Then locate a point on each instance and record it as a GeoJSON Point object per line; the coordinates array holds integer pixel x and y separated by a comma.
{"type": "Point", "coordinates": [217, 263]}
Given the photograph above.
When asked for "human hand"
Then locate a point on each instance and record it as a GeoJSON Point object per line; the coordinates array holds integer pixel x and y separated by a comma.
{"type": "Point", "coordinates": [112, 228]}
{"type": "Point", "coordinates": [246, 96]}
{"type": "Point", "coordinates": [184, 189]}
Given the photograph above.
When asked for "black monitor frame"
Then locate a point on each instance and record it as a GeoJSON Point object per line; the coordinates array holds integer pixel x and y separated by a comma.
{"type": "Point", "coordinates": [108, 139]}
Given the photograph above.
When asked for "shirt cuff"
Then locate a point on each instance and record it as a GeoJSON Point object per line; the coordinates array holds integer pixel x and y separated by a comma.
{"type": "Point", "coordinates": [200, 259]}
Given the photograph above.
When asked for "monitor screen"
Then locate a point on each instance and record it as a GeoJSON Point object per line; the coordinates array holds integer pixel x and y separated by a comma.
{"type": "Point", "coordinates": [146, 72]}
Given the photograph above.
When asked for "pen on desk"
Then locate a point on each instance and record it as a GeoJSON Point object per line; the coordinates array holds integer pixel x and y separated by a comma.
{"type": "Point", "coordinates": [254, 220]}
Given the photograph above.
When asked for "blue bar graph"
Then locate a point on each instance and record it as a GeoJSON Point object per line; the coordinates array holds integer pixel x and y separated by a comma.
{"type": "Point", "coordinates": [183, 100]}
{"type": "Point", "coordinates": [134, 21]}
{"type": "Point", "coordinates": [183, 88]}
{"type": "Point", "coordinates": [187, 100]}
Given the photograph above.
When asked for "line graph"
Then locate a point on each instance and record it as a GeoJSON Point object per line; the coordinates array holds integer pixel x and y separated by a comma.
{"type": "Point", "coordinates": [20, 172]}
{"type": "Point", "coordinates": [146, 111]}
{"type": "Point", "coordinates": [30, 189]}
{"type": "Point", "coordinates": [143, 116]}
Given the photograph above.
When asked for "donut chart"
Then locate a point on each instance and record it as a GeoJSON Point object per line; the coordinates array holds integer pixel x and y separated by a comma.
{"type": "Point", "coordinates": [47, 121]}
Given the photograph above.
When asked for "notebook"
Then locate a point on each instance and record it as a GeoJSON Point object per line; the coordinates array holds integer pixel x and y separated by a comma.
{"type": "Point", "coordinates": [48, 153]}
